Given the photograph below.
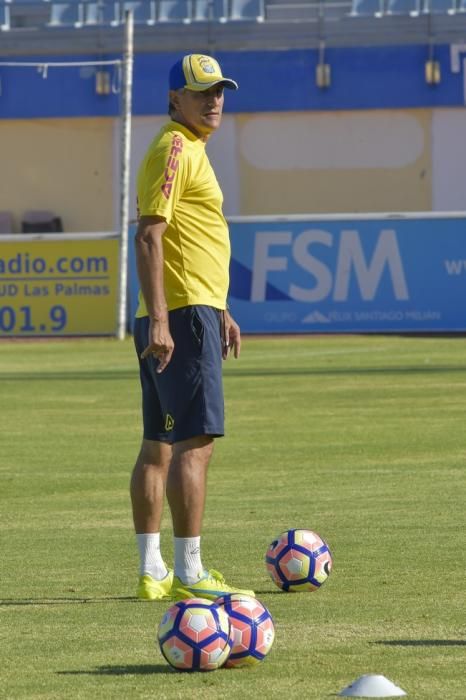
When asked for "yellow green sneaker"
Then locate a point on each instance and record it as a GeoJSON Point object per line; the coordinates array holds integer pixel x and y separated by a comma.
{"type": "Point", "coordinates": [211, 585]}
{"type": "Point", "coordinates": [150, 588]}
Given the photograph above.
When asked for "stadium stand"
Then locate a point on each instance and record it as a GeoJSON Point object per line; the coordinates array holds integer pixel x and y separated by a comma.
{"type": "Point", "coordinates": [41, 221]}
{"type": "Point", "coordinates": [367, 8]}
{"type": "Point", "coordinates": [247, 10]}
{"type": "Point", "coordinates": [6, 222]}
{"type": "Point", "coordinates": [17, 14]}
{"type": "Point", "coordinates": [172, 25]}
{"type": "Point", "coordinates": [335, 9]}
{"type": "Point", "coordinates": [440, 6]}
{"type": "Point", "coordinates": [174, 11]}
{"type": "Point", "coordinates": [144, 12]}
{"type": "Point", "coordinates": [404, 7]}
{"type": "Point", "coordinates": [28, 13]}
{"type": "Point", "coordinates": [102, 13]}
{"type": "Point", "coordinates": [66, 14]}
{"type": "Point", "coordinates": [278, 11]}
{"type": "Point", "coordinates": [5, 16]}
{"type": "Point", "coordinates": [205, 10]}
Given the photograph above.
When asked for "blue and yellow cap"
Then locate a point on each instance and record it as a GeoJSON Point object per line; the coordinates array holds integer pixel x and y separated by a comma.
{"type": "Point", "coordinates": [198, 72]}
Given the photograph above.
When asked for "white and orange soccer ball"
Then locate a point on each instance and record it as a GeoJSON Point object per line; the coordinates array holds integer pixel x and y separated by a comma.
{"type": "Point", "coordinates": [195, 635]}
{"type": "Point", "coordinates": [298, 560]}
{"type": "Point", "coordinates": [252, 627]}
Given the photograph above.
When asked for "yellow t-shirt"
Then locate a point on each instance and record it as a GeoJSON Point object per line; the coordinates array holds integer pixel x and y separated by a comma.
{"type": "Point", "coordinates": [176, 181]}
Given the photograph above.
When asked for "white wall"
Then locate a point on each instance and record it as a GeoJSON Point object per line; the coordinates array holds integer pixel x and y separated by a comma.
{"type": "Point", "coordinates": [449, 159]}
{"type": "Point", "coordinates": [442, 166]}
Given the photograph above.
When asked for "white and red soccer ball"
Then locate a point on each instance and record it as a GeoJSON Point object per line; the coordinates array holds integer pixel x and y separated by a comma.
{"type": "Point", "coordinates": [237, 630]}
{"type": "Point", "coordinates": [195, 635]}
{"type": "Point", "coordinates": [298, 560]}
{"type": "Point", "coordinates": [252, 628]}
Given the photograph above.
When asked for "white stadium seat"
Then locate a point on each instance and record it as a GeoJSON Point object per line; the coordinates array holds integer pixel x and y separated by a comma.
{"type": "Point", "coordinates": [205, 10]}
{"type": "Point", "coordinates": [102, 12]}
{"type": "Point", "coordinates": [143, 10]}
{"type": "Point", "coordinates": [404, 7]}
{"type": "Point", "coordinates": [66, 14]}
{"type": "Point", "coordinates": [5, 15]}
{"type": "Point", "coordinates": [367, 8]}
{"type": "Point", "coordinates": [174, 11]}
{"type": "Point", "coordinates": [444, 7]}
{"type": "Point", "coordinates": [247, 10]}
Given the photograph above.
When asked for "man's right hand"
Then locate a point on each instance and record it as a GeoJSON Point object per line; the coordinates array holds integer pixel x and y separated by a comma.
{"type": "Point", "coordinates": [161, 343]}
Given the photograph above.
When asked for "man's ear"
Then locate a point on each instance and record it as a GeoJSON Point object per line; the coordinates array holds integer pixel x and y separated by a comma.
{"type": "Point", "coordinates": [173, 98]}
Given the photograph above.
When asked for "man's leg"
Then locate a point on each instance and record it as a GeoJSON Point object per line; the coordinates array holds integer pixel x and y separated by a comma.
{"type": "Point", "coordinates": [147, 488]}
{"type": "Point", "coordinates": [186, 484]}
{"type": "Point", "coordinates": [186, 494]}
{"type": "Point", "coordinates": [148, 485]}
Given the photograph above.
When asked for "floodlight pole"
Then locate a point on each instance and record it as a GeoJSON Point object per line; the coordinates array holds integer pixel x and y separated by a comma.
{"type": "Point", "coordinates": [125, 171]}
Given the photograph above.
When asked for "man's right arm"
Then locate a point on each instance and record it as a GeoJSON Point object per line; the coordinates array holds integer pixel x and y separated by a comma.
{"type": "Point", "coordinates": [149, 261]}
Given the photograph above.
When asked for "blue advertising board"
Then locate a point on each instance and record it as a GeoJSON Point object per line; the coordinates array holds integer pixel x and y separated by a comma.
{"type": "Point", "coordinates": [394, 273]}
{"type": "Point", "coordinates": [332, 275]}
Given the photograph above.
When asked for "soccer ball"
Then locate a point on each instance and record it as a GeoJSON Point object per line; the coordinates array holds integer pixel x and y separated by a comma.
{"type": "Point", "coordinates": [195, 635]}
{"type": "Point", "coordinates": [252, 627]}
{"type": "Point", "coordinates": [298, 560]}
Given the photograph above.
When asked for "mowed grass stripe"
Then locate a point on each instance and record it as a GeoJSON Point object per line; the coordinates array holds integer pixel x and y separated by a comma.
{"type": "Point", "coordinates": [360, 438]}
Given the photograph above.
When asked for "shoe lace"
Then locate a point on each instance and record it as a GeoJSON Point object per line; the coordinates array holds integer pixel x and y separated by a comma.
{"type": "Point", "coordinates": [216, 576]}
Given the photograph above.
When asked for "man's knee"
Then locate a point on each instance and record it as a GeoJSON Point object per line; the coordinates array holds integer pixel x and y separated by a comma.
{"type": "Point", "coordinates": [196, 450]}
{"type": "Point", "coordinates": [154, 453]}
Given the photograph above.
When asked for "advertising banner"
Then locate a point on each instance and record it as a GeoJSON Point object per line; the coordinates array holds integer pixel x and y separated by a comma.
{"type": "Point", "coordinates": [404, 273]}
{"type": "Point", "coordinates": [58, 286]}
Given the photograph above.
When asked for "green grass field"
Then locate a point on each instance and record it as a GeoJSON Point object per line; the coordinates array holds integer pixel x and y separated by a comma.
{"type": "Point", "coordinates": [359, 438]}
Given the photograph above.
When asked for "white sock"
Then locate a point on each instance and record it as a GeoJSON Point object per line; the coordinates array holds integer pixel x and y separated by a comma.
{"type": "Point", "coordinates": [150, 559]}
{"type": "Point", "coordinates": [188, 563]}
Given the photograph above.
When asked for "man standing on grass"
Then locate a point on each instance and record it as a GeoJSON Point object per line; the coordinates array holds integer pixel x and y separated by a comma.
{"type": "Point", "coordinates": [182, 331]}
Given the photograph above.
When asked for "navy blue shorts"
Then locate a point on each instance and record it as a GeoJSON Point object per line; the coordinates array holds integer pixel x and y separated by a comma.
{"type": "Point", "coordinates": [186, 399]}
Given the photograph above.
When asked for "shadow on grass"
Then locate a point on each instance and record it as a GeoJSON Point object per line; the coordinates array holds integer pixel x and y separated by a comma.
{"type": "Point", "coordinates": [129, 670]}
{"type": "Point", "coordinates": [338, 371]}
{"type": "Point", "coordinates": [277, 591]}
{"type": "Point", "coordinates": [69, 600]}
{"type": "Point", "coordinates": [4, 602]}
{"type": "Point", "coordinates": [99, 375]}
{"type": "Point", "coordinates": [71, 376]}
{"type": "Point", "coordinates": [422, 642]}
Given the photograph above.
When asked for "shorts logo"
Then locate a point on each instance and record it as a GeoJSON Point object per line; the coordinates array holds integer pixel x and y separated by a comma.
{"type": "Point", "coordinates": [169, 422]}
{"type": "Point", "coordinates": [172, 166]}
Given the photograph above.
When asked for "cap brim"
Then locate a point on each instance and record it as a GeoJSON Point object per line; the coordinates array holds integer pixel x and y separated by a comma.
{"type": "Point", "coordinates": [226, 82]}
